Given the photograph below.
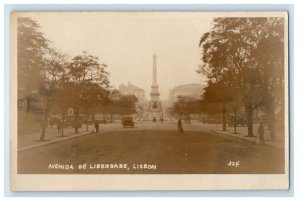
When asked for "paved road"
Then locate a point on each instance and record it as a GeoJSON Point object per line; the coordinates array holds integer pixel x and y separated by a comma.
{"type": "Point", "coordinates": [152, 148]}
{"type": "Point", "coordinates": [167, 125]}
{"type": "Point", "coordinates": [26, 140]}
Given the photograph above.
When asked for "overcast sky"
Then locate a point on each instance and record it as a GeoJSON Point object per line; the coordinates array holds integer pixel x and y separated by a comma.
{"type": "Point", "coordinates": [126, 42]}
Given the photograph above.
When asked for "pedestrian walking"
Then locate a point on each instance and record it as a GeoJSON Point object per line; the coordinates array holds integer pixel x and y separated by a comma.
{"type": "Point", "coordinates": [188, 119]}
{"type": "Point", "coordinates": [97, 126]}
{"type": "Point", "coordinates": [58, 124]}
{"type": "Point", "coordinates": [261, 133]}
{"type": "Point", "coordinates": [179, 126]}
{"type": "Point", "coordinates": [62, 125]}
{"type": "Point", "coordinates": [51, 123]}
{"type": "Point", "coordinates": [154, 119]}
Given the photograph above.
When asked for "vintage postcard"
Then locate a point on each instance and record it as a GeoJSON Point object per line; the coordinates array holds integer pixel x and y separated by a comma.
{"type": "Point", "coordinates": [149, 101]}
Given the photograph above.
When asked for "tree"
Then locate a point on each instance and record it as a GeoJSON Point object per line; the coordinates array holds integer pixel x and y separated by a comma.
{"type": "Point", "coordinates": [85, 72]}
{"type": "Point", "coordinates": [119, 104]}
{"type": "Point", "coordinates": [235, 104]}
{"type": "Point", "coordinates": [228, 54]}
{"type": "Point", "coordinates": [54, 70]}
{"type": "Point", "coordinates": [32, 47]}
{"type": "Point", "coordinates": [126, 104]}
{"type": "Point", "coordinates": [185, 106]}
{"type": "Point", "coordinates": [59, 73]}
{"type": "Point", "coordinates": [95, 95]}
{"type": "Point", "coordinates": [269, 57]}
{"type": "Point", "coordinates": [62, 102]}
{"type": "Point", "coordinates": [221, 94]}
{"type": "Point", "coordinates": [225, 54]}
{"type": "Point", "coordinates": [40, 68]}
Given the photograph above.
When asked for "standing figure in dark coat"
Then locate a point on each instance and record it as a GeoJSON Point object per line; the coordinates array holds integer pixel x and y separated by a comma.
{"type": "Point", "coordinates": [97, 126]}
{"type": "Point", "coordinates": [261, 133]}
{"type": "Point", "coordinates": [179, 126]}
{"type": "Point", "coordinates": [58, 126]}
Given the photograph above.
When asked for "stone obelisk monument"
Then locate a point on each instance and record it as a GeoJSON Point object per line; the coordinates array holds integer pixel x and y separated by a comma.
{"type": "Point", "coordinates": [154, 109]}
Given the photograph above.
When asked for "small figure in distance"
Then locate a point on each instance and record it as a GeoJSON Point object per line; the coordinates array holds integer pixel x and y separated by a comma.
{"type": "Point", "coordinates": [58, 126]}
{"type": "Point", "coordinates": [51, 123]}
{"type": "Point", "coordinates": [97, 126]}
{"type": "Point", "coordinates": [154, 119]}
{"type": "Point", "coordinates": [179, 126]}
{"type": "Point", "coordinates": [261, 133]}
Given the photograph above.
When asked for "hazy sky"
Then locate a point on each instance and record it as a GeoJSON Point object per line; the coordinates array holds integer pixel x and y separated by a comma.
{"type": "Point", "coordinates": [126, 42]}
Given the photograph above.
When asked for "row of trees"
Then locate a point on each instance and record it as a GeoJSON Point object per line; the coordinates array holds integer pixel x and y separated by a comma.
{"type": "Point", "coordinates": [243, 59]}
{"type": "Point", "coordinates": [185, 106]}
{"type": "Point", "coordinates": [80, 83]}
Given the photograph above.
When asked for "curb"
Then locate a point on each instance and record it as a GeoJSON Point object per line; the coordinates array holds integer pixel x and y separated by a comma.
{"type": "Point", "coordinates": [53, 141]}
{"type": "Point", "coordinates": [246, 139]}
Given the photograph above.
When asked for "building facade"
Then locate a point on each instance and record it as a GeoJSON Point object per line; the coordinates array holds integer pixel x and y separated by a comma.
{"type": "Point", "coordinates": [131, 89]}
{"type": "Point", "coordinates": [193, 90]}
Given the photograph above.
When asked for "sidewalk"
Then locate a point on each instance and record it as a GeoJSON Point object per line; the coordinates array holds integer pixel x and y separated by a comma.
{"type": "Point", "coordinates": [243, 131]}
{"type": "Point", "coordinates": [31, 140]}
{"type": "Point", "coordinates": [28, 141]}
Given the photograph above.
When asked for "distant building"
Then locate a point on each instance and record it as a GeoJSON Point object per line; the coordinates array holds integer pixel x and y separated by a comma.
{"type": "Point", "coordinates": [192, 90]}
{"type": "Point", "coordinates": [139, 93]}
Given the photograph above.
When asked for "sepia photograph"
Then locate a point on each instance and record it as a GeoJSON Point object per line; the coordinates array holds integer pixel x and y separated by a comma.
{"type": "Point", "coordinates": [150, 94]}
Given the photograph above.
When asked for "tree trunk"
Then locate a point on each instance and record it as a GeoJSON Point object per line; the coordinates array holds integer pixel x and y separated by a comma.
{"type": "Point", "coordinates": [111, 118]}
{"type": "Point", "coordinates": [63, 123]}
{"type": "Point", "coordinates": [235, 121]}
{"type": "Point", "coordinates": [86, 120]}
{"type": "Point", "coordinates": [271, 117]}
{"type": "Point", "coordinates": [224, 117]}
{"type": "Point", "coordinates": [249, 111]}
{"type": "Point", "coordinates": [44, 124]}
{"type": "Point", "coordinates": [76, 122]}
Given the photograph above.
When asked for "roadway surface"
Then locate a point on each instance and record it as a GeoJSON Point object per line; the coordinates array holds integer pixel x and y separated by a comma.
{"type": "Point", "coordinates": [152, 148]}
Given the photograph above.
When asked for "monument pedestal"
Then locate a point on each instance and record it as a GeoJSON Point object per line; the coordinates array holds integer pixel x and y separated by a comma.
{"type": "Point", "coordinates": [154, 110]}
